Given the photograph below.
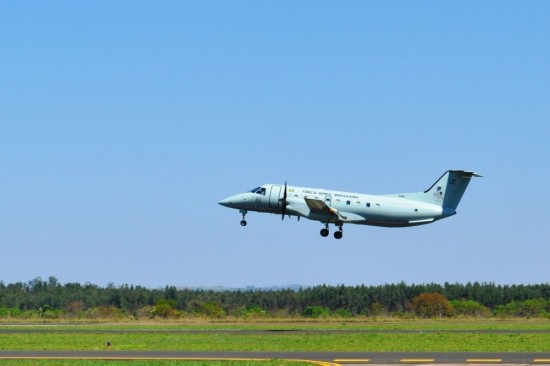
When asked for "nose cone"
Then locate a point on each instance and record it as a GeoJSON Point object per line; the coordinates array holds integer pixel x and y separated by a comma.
{"type": "Point", "coordinates": [237, 201]}
{"type": "Point", "coordinates": [227, 202]}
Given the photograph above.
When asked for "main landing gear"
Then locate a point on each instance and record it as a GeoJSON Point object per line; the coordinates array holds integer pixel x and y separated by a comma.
{"type": "Point", "coordinates": [243, 221]}
{"type": "Point", "coordinates": [337, 234]}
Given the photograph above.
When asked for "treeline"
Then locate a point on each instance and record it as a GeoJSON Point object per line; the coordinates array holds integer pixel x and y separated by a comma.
{"type": "Point", "coordinates": [49, 299]}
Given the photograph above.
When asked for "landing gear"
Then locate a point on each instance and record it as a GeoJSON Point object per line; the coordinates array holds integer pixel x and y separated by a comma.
{"type": "Point", "coordinates": [324, 232]}
{"type": "Point", "coordinates": [243, 221]}
{"type": "Point", "coordinates": [337, 234]}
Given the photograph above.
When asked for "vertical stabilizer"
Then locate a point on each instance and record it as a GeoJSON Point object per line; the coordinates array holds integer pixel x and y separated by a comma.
{"type": "Point", "coordinates": [448, 190]}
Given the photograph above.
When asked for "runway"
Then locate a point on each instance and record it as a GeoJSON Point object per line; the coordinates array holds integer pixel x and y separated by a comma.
{"type": "Point", "coordinates": [320, 358]}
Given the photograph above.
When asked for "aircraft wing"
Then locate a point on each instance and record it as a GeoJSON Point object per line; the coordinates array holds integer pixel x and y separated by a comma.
{"type": "Point", "coordinates": [320, 207]}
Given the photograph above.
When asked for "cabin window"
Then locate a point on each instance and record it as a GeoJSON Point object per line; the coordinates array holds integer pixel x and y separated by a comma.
{"type": "Point", "coordinates": [348, 203]}
{"type": "Point", "coordinates": [368, 204]}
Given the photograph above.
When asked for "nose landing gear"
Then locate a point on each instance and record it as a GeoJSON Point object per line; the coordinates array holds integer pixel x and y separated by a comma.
{"type": "Point", "coordinates": [243, 221]}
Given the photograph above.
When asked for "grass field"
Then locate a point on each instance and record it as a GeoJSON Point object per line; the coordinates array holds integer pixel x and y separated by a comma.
{"type": "Point", "coordinates": [298, 324]}
{"type": "Point", "coordinates": [439, 336]}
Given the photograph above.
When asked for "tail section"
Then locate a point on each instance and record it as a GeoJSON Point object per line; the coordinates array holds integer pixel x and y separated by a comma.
{"type": "Point", "coordinates": [448, 190]}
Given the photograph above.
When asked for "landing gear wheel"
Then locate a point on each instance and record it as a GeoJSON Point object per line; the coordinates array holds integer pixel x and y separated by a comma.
{"type": "Point", "coordinates": [243, 221]}
{"type": "Point", "coordinates": [324, 233]}
{"type": "Point", "coordinates": [338, 234]}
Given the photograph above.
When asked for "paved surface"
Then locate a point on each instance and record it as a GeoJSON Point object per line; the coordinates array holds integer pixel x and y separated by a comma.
{"type": "Point", "coordinates": [321, 358]}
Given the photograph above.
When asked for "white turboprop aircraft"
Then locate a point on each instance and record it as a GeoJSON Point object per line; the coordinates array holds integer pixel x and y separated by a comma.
{"type": "Point", "coordinates": [339, 208]}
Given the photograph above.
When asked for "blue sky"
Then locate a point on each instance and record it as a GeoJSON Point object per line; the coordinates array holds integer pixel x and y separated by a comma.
{"type": "Point", "coordinates": [122, 124]}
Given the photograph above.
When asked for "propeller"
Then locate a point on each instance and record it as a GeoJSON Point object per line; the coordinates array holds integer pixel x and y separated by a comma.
{"type": "Point", "coordinates": [284, 203]}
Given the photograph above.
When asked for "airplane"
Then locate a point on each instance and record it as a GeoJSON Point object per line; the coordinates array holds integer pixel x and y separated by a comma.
{"type": "Point", "coordinates": [339, 208]}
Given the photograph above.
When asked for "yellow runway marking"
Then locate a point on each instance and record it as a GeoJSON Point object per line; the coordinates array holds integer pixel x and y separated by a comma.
{"type": "Point", "coordinates": [321, 363]}
{"type": "Point", "coordinates": [545, 360]}
{"type": "Point", "coordinates": [483, 360]}
{"type": "Point", "coordinates": [348, 360]}
{"type": "Point", "coordinates": [410, 360]}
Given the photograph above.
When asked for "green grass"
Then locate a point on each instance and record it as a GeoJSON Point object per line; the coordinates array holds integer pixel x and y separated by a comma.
{"type": "Point", "coordinates": [153, 337]}
{"type": "Point", "coordinates": [443, 324]}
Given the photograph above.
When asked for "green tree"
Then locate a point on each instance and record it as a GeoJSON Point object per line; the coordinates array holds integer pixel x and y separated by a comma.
{"type": "Point", "coordinates": [165, 309]}
{"type": "Point", "coordinates": [316, 311]}
{"type": "Point", "coordinates": [469, 308]}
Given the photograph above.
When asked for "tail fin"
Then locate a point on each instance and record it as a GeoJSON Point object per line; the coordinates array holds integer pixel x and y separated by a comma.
{"type": "Point", "coordinates": [448, 190]}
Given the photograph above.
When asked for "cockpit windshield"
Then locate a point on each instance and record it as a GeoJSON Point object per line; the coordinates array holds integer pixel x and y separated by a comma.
{"type": "Point", "coordinates": [258, 190]}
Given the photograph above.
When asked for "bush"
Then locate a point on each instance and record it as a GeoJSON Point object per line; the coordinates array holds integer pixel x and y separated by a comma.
{"type": "Point", "coordinates": [528, 308]}
{"type": "Point", "coordinates": [166, 309]}
{"type": "Point", "coordinates": [316, 312]}
{"type": "Point", "coordinates": [12, 312]}
{"type": "Point", "coordinates": [432, 305]}
{"type": "Point", "coordinates": [470, 308]}
{"type": "Point", "coordinates": [253, 312]}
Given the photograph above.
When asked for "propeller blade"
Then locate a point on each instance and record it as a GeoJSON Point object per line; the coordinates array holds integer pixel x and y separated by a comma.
{"type": "Point", "coordinates": [284, 204]}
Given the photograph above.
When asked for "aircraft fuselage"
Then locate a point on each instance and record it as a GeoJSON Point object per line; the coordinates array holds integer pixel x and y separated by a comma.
{"type": "Point", "coordinates": [338, 207]}
{"type": "Point", "coordinates": [356, 208]}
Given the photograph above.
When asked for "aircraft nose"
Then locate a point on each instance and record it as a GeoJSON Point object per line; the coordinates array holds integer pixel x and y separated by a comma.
{"type": "Point", "coordinates": [227, 202]}
{"type": "Point", "coordinates": [236, 201]}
